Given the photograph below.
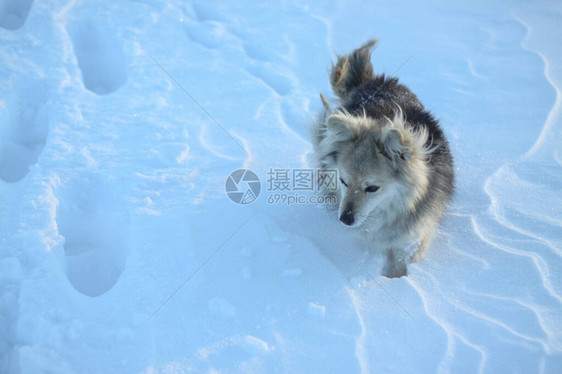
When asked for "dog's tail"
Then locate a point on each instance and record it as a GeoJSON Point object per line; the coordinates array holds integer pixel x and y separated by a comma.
{"type": "Point", "coordinates": [352, 70]}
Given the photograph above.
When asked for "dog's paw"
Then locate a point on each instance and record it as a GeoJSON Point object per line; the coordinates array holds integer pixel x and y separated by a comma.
{"type": "Point", "coordinates": [395, 270]}
{"type": "Point", "coordinates": [395, 266]}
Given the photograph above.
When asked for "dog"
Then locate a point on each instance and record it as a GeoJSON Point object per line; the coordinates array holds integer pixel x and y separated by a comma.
{"type": "Point", "coordinates": [392, 159]}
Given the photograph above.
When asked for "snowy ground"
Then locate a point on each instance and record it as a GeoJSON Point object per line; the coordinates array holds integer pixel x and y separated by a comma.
{"type": "Point", "coordinates": [121, 253]}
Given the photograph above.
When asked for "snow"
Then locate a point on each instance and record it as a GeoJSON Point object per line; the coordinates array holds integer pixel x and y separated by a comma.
{"type": "Point", "coordinates": [120, 251]}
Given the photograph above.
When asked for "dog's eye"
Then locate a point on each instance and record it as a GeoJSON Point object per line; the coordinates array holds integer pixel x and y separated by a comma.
{"type": "Point", "coordinates": [372, 188]}
{"type": "Point", "coordinates": [342, 182]}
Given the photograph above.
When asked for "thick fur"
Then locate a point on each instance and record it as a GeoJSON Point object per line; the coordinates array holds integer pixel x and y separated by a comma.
{"type": "Point", "coordinates": [393, 161]}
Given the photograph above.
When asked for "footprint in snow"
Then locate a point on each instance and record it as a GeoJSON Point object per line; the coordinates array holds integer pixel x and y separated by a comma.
{"type": "Point", "coordinates": [94, 222]}
{"type": "Point", "coordinates": [204, 12]}
{"type": "Point", "coordinates": [212, 31]}
{"type": "Point", "coordinates": [24, 126]}
{"type": "Point", "coordinates": [257, 52]}
{"type": "Point", "coordinates": [100, 56]}
{"type": "Point", "coordinates": [13, 13]}
{"type": "Point", "coordinates": [10, 279]}
{"type": "Point", "coordinates": [209, 34]}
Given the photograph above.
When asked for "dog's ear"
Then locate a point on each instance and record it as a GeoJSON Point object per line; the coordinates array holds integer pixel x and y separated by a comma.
{"type": "Point", "coordinates": [339, 70]}
{"type": "Point", "coordinates": [396, 144]}
{"type": "Point", "coordinates": [338, 127]}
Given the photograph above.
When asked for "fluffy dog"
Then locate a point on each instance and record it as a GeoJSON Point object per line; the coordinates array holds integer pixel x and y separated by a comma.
{"type": "Point", "coordinates": [392, 159]}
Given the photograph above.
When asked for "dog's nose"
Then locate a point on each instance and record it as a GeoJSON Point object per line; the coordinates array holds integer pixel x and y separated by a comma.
{"type": "Point", "coordinates": [347, 217]}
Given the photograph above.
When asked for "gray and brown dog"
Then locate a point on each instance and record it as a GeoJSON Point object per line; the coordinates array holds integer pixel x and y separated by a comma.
{"type": "Point", "coordinates": [393, 161]}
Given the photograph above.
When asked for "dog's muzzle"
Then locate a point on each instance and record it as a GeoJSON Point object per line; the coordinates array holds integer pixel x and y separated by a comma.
{"type": "Point", "coordinates": [347, 217]}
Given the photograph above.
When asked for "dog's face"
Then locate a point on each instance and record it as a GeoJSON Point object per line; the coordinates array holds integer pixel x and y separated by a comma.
{"type": "Point", "coordinates": [366, 181]}
{"type": "Point", "coordinates": [376, 164]}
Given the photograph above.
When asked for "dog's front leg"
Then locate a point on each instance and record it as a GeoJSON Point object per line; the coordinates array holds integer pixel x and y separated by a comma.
{"type": "Point", "coordinates": [395, 265]}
